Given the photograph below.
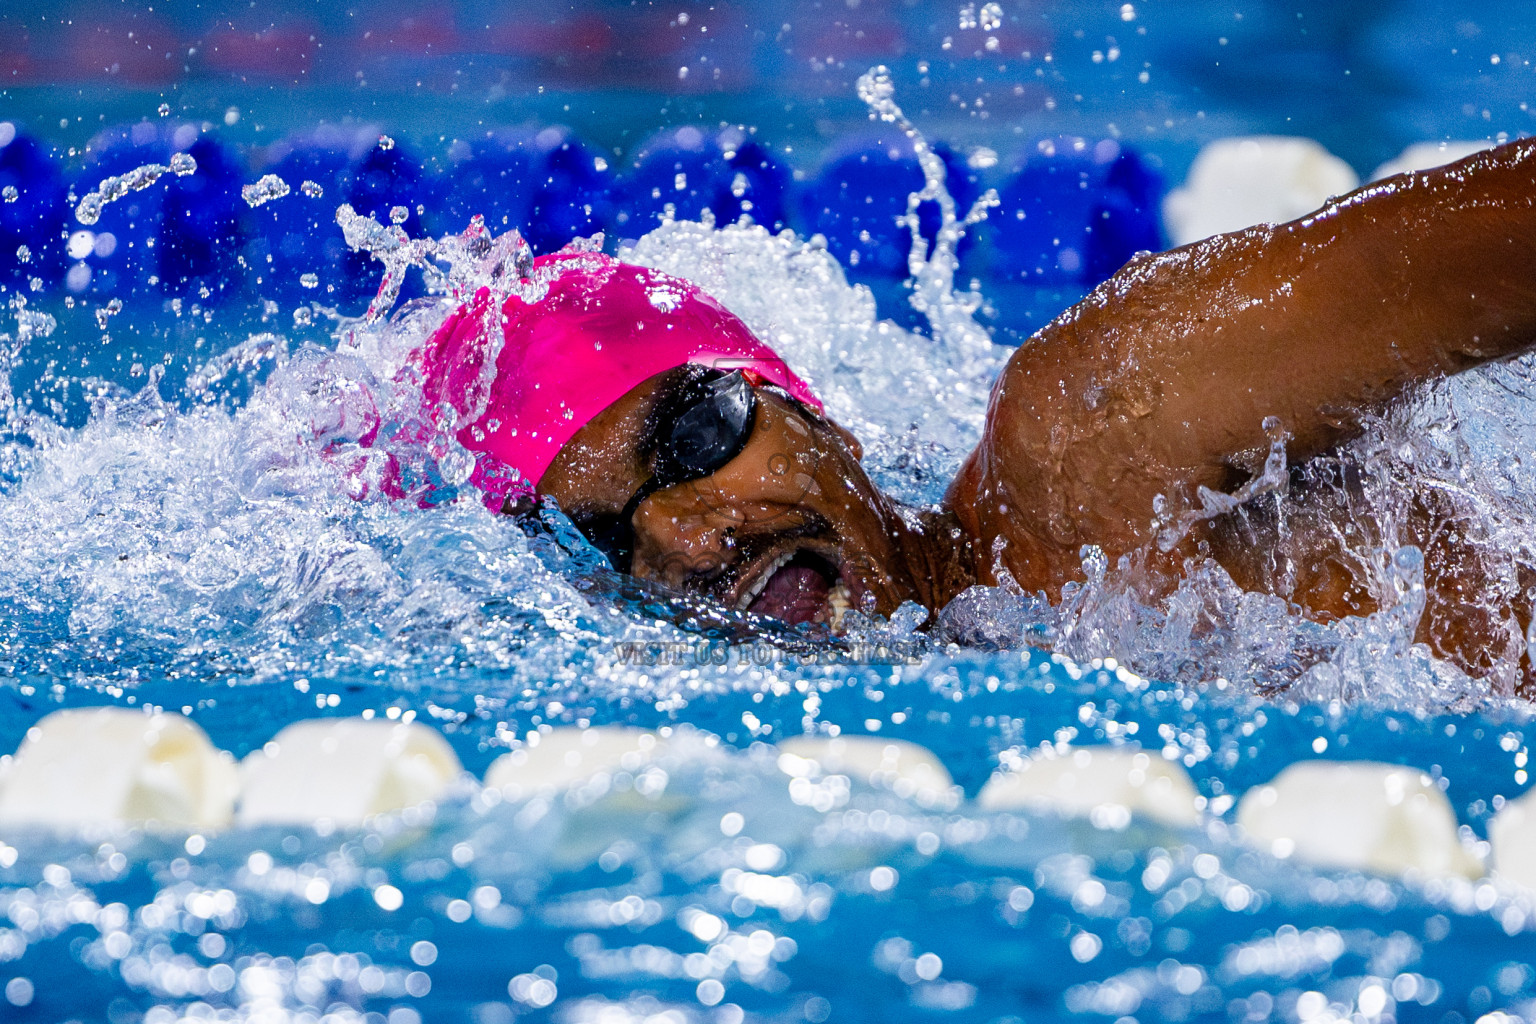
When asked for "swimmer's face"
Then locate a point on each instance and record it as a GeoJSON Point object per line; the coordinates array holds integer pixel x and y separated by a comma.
{"type": "Point", "coordinates": [789, 527]}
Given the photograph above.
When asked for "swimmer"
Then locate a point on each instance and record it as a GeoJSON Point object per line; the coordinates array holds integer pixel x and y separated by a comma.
{"type": "Point", "coordinates": [686, 451]}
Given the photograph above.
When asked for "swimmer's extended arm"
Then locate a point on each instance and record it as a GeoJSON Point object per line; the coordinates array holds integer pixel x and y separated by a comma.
{"type": "Point", "coordinates": [1160, 380]}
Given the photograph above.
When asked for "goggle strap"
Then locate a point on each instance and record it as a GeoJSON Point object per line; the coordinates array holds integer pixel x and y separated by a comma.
{"type": "Point", "coordinates": [647, 489]}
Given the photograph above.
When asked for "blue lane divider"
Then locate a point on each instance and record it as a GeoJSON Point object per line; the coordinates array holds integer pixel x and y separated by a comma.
{"type": "Point", "coordinates": [388, 178]}
{"type": "Point", "coordinates": [33, 210]}
{"type": "Point", "coordinates": [692, 169]}
{"type": "Point", "coordinates": [861, 191]}
{"type": "Point", "coordinates": [387, 181]}
{"type": "Point", "coordinates": [547, 183]}
{"type": "Point", "coordinates": [179, 236]}
{"type": "Point", "coordinates": [202, 231]}
{"type": "Point", "coordinates": [295, 246]}
{"type": "Point", "coordinates": [1072, 211]}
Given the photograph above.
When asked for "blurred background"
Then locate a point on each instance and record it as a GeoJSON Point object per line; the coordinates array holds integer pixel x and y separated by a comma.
{"type": "Point", "coordinates": [1364, 77]}
{"type": "Point", "coordinates": [566, 119]}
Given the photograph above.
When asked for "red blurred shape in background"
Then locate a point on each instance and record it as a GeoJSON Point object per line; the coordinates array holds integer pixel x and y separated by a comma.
{"type": "Point", "coordinates": [586, 36]}
{"type": "Point", "coordinates": [16, 64]}
{"type": "Point", "coordinates": [281, 51]}
{"type": "Point", "coordinates": [141, 50]}
{"type": "Point", "coordinates": [422, 35]}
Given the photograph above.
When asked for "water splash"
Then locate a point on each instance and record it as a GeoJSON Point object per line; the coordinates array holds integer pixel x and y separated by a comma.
{"type": "Point", "coordinates": [263, 191]}
{"type": "Point", "coordinates": [933, 274]}
{"type": "Point", "coordinates": [30, 323]}
{"type": "Point", "coordinates": [1459, 440]}
{"type": "Point", "coordinates": [1272, 479]}
{"type": "Point", "coordinates": [110, 190]}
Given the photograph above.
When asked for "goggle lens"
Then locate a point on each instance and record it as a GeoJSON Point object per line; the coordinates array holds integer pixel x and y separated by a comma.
{"type": "Point", "coordinates": [711, 424]}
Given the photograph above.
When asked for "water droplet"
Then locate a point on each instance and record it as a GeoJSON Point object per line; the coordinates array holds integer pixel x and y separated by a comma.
{"type": "Point", "coordinates": [270, 187]}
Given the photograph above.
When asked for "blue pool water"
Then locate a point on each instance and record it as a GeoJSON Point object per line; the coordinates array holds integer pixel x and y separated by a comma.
{"type": "Point", "coordinates": [176, 534]}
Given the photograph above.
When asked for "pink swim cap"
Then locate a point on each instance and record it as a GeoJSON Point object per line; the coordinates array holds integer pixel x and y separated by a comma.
{"type": "Point", "coordinates": [601, 328]}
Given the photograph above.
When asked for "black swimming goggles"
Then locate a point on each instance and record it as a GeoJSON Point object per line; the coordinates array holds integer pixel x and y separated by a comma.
{"type": "Point", "coordinates": [697, 429]}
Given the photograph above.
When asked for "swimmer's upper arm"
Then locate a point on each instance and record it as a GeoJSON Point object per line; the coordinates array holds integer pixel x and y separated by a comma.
{"type": "Point", "coordinates": [1160, 381]}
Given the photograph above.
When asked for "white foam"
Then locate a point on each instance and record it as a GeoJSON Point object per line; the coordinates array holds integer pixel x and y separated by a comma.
{"type": "Point", "coordinates": [1239, 182]}
{"type": "Point", "coordinates": [1357, 815]}
{"type": "Point", "coordinates": [906, 769]}
{"type": "Point", "coordinates": [115, 765]}
{"type": "Point", "coordinates": [1422, 156]}
{"type": "Point", "coordinates": [343, 770]}
{"type": "Point", "coordinates": [1512, 833]}
{"type": "Point", "coordinates": [1107, 785]}
{"type": "Point", "coordinates": [567, 757]}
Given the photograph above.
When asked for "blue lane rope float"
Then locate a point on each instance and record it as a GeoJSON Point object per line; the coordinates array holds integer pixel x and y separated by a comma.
{"type": "Point", "coordinates": [547, 183]}
{"type": "Point", "coordinates": [727, 172]}
{"type": "Point", "coordinates": [33, 210]}
{"type": "Point", "coordinates": [861, 191]}
{"type": "Point", "coordinates": [295, 247]}
{"type": "Point", "coordinates": [178, 237]}
{"type": "Point", "coordinates": [1072, 211]}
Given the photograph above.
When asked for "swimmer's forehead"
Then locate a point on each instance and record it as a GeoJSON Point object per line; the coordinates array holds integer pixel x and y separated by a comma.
{"type": "Point", "coordinates": [613, 445]}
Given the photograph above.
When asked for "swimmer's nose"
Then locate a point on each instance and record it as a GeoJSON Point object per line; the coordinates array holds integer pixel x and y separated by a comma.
{"type": "Point", "coordinates": [680, 544]}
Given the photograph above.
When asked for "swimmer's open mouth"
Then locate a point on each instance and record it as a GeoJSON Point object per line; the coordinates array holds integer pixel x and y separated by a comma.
{"type": "Point", "coordinates": [795, 586]}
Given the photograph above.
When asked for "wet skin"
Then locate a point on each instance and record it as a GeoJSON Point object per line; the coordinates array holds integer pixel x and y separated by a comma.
{"type": "Point", "coordinates": [797, 486]}
{"type": "Point", "coordinates": [1106, 422]}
